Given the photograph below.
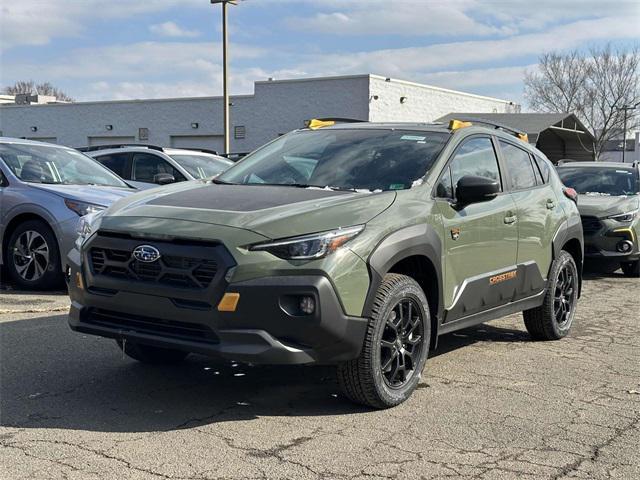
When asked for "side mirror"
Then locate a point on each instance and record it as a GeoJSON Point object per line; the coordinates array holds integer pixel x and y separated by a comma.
{"type": "Point", "coordinates": [163, 178]}
{"type": "Point", "coordinates": [472, 189]}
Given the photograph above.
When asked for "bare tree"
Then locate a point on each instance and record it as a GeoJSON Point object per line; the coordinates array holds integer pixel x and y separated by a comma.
{"type": "Point", "coordinates": [595, 86]}
{"type": "Point", "coordinates": [31, 87]}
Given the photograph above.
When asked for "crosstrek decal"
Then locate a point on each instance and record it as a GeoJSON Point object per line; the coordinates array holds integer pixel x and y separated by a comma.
{"type": "Point", "coordinates": [503, 277]}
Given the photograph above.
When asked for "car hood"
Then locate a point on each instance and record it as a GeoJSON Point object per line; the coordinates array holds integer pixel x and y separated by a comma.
{"type": "Point", "coordinates": [604, 206]}
{"type": "Point", "coordinates": [88, 193]}
{"type": "Point", "coordinates": [270, 211]}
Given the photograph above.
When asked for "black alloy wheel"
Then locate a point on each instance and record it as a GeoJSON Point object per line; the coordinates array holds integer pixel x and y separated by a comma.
{"type": "Point", "coordinates": [401, 343]}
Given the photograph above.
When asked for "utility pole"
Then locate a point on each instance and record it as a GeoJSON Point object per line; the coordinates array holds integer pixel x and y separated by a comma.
{"type": "Point", "coordinates": [225, 72]}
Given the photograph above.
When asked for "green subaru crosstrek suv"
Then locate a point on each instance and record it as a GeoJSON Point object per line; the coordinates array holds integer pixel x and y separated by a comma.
{"type": "Point", "coordinates": [609, 203]}
{"type": "Point", "coordinates": [353, 245]}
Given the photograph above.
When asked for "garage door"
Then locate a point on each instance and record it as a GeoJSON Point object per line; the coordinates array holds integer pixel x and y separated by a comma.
{"type": "Point", "coordinates": [211, 142]}
{"type": "Point", "coordinates": [93, 141]}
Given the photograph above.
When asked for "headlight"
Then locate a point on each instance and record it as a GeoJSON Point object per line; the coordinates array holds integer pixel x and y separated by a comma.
{"type": "Point", "coordinates": [82, 208]}
{"type": "Point", "coordinates": [86, 226]}
{"type": "Point", "coordinates": [624, 217]}
{"type": "Point", "coordinates": [309, 247]}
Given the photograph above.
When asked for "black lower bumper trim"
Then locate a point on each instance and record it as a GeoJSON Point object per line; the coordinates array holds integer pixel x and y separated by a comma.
{"type": "Point", "coordinates": [264, 329]}
{"type": "Point", "coordinates": [138, 323]}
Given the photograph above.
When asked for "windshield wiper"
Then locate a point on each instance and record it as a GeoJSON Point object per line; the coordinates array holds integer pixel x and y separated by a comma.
{"type": "Point", "coordinates": [347, 189]}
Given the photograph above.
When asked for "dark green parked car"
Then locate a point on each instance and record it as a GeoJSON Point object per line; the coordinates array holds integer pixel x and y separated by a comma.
{"type": "Point", "coordinates": [609, 199]}
{"type": "Point", "coordinates": [355, 245]}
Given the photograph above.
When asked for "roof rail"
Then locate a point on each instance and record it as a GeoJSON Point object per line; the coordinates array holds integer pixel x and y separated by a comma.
{"type": "Point", "coordinates": [328, 121]}
{"type": "Point", "coordinates": [203, 150]}
{"type": "Point", "coordinates": [513, 131]}
{"type": "Point", "coordinates": [94, 148]}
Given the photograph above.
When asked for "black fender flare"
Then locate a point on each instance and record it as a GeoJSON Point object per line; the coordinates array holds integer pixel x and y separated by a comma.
{"type": "Point", "coordinates": [571, 229]}
{"type": "Point", "coordinates": [415, 240]}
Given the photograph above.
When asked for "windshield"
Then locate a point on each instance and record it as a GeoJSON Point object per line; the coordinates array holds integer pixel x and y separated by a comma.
{"type": "Point", "coordinates": [55, 165]}
{"type": "Point", "coordinates": [373, 160]}
{"type": "Point", "coordinates": [600, 181]}
{"type": "Point", "coordinates": [202, 166]}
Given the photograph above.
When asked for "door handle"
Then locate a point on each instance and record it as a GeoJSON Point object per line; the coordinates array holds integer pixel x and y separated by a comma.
{"type": "Point", "coordinates": [550, 204]}
{"type": "Point", "coordinates": [510, 219]}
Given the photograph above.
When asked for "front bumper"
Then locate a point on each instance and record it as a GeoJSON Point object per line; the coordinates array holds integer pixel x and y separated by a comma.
{"type": "Point", "coordinates": [602, 244]}
{"type": "Point", "coordinates": [265, 328]}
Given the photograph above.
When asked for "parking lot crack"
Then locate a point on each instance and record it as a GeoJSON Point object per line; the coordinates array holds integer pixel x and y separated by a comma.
{"type": "Point", "coordinates": [596, 451]}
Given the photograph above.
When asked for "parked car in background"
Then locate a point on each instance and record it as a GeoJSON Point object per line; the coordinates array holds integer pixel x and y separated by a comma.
{"type": "Point", "coordinates": [609, 200]}
{"type": "Point", "coordinates": [350, 245]}
{"type": "Point", "coordinates": [146, 166]}
{"type": "Point", "coordinates": [44, 190]}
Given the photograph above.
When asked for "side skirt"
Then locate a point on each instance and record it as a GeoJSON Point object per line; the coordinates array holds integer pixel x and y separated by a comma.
{"type": "Point", "coordinates": [493, 313]}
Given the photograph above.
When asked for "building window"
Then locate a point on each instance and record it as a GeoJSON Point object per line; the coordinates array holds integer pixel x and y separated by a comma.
{"type": "Point", "coordinates": [239, 132]}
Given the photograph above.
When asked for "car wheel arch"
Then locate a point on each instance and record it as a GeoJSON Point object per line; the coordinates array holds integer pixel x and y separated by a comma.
{"type": "Point", "coordinates": [414, 251]}
{"type": "Point", "coordinates": [14, 223]}
{"type": "Point", "coordinates": [569, 238]}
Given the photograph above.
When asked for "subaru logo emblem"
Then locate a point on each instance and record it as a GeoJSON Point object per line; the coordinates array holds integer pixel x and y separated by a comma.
{"type": "Point", "coordinates": [146, 253]}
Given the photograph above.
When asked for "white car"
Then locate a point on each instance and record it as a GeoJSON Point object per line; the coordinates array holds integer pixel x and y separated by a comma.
{"type": "Point", "coordinates": [146, 166]}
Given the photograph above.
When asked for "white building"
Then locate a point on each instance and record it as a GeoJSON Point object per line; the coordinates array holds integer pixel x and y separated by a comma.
{"type": "Point", "coordinates": [276, 107]}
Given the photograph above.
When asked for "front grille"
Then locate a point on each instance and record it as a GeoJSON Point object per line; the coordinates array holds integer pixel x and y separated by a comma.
{"type": "Point", "coordinates": [127, 322]}
{"type": "Point", "coordinates": [590, 225]}
{"type": "Point", "coordinates": [174, 271]}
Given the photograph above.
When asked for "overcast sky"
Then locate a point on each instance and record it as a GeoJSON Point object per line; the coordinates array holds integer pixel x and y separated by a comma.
{"type": "Point", "coordinates": [120, 49]}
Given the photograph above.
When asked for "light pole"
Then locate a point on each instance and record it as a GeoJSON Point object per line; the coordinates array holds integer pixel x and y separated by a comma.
{"type": "Point", "coordinates": [225, 71]}
{"type": "Point", "coordinates": [626, 109]}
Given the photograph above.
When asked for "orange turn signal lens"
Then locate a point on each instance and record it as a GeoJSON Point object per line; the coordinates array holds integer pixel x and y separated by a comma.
{"type": "Point", "coordinates": [229, 302]}
{"type": "Point", "coordinates": [79, 282]}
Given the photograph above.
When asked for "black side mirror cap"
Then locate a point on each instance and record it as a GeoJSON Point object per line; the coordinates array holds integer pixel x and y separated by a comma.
{"type": "Point", "coordinates": [473, 189]}
{"type": "Point", "coordinates": [163, 178]}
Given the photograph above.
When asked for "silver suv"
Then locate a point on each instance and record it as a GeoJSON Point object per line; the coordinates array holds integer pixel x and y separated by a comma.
{"type": "Point", "coordinates": [44, 190]}
{"type": "Point", "coordinates": [146, 166]}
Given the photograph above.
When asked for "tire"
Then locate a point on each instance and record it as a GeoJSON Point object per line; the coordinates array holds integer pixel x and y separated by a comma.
{"type": "Point", "coordinates": [631, 269]}
{"type": "Point", "coordinates": [391, 339]}
{"type": "Point", "coordinates": [32, 257]}
{"type": "Point", "coordinates": [152, 355]}
{"type": "Point", "coordinates": [553, 319]}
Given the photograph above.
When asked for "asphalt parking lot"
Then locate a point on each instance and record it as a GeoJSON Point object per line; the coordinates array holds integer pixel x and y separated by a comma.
{"type": "Point", "coordinates": [492, 404]}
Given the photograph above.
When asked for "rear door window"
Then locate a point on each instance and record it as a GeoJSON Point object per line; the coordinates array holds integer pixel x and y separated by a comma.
{"type": "Point", "coordinates": [518, 164]}
{"type": "Point", "coordinates": [117, 163]}
{"type": "Point", "coordinates": [543, 166]}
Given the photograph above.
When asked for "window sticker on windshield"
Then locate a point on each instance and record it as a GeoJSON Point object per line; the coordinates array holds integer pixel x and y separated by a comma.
{"type": "Point", "coordinates": [396, 186]}
{"type": "Point", "coordinates": [415, 138]}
